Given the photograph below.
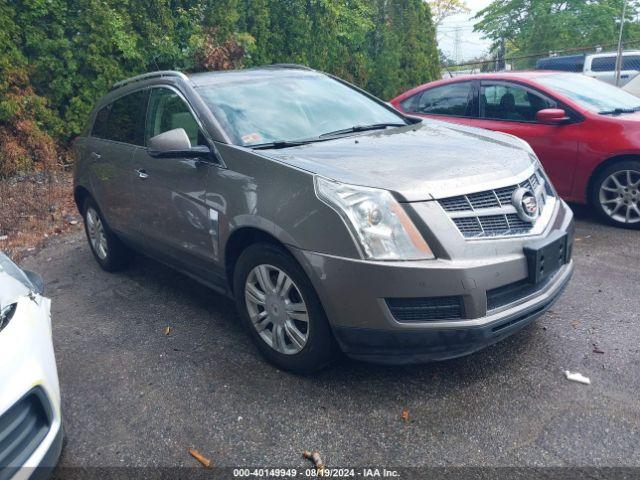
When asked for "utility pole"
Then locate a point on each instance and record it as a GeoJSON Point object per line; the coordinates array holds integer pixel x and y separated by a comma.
{"type": "Point", "coordinates": [500, 64]}
{"type": "Point", "coordinates": [619, 56]}
{"type": "Point", "coordinates": [456, 44]}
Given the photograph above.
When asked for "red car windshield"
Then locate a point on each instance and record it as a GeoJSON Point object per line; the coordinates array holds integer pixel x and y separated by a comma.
{"type": "Point", "coordinates": [592, 94]}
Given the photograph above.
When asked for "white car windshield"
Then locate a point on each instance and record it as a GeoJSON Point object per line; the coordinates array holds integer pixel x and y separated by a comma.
{"type": "Point", "coordinates": [13, 282]}
{"type": "Point", "coordinates": [291, 107]}
{"type": "Point", "coordinates": [592, 94]}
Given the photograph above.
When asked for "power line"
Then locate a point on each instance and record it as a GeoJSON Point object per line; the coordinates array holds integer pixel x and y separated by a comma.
{"type": "Point", "coordinates": [545, 54]}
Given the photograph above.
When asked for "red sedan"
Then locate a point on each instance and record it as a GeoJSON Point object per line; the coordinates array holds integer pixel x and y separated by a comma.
{"type": "Point", "coordinates": [585, 132]}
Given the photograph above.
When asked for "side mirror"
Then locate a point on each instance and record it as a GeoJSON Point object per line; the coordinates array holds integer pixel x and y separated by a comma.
{"type": "Point", "coordinates": [176, 144]}
{"type": "Point", "coordinates": [552, 116]}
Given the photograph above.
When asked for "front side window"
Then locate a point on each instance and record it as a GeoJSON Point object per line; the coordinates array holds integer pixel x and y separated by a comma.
{"type": "Point", "coordinates": [453, 100]}
{"type": "Point", "coordinates": [631, 62]}
{"type": "Point", "coordinates": [287, 107]}
{"type": "Point", "coordinates": [511, 102]}
{"type": "Point", "coordinates": [168, 111]}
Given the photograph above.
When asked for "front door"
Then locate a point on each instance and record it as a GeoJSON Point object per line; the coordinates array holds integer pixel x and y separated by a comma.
{"type": "Point", "coordinates": [512, 108]}
{"type": "Point", "coordinates": [171, 192]}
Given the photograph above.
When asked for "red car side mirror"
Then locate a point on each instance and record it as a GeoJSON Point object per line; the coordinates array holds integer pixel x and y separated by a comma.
{"type": "Point", "coordinates": [553, 116]}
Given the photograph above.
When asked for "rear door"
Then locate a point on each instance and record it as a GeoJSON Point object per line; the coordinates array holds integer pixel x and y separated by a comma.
{"type": "Point", "coordinates": [116, 133]}
{"type": "Point", "coordinates": [171, 192]}
{"type": "Point", "coordinates": [511, 108]}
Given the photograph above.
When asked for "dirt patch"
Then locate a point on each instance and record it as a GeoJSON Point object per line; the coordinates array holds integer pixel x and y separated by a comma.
{"type": "Point", "coordinates": [35, 207]}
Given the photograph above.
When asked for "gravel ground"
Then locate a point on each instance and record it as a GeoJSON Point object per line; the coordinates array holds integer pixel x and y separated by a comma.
{"type": "Point", "coordinates": [133, 396]}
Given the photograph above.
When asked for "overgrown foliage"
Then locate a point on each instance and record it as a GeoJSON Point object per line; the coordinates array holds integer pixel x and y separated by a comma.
{"type": "Point", "coordinates": [57, 57]}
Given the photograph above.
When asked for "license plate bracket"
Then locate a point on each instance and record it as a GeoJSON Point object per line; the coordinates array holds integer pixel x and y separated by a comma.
{"type": "Point", "coordinates": [546, 256]}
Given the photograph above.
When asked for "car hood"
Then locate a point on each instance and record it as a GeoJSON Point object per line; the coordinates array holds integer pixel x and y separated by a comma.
{"type": "Point", "coordinates": [420, 162]}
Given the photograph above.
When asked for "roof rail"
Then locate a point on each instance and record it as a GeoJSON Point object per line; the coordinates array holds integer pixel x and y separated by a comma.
{"type": "Point", "coordinates": [287, 65]}
{"type": "Point", "coordinates": [147, 76]}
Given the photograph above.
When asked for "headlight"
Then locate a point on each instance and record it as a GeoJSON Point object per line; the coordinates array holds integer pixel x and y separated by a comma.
{"type": "Point", "coordinates": [6, 313]}
{"type": "Point", "coordinates": [548, 186]}
{"type": "Point", "coordinates": [379, 224]}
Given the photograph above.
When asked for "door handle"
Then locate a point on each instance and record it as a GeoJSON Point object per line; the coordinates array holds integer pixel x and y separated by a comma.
{"type": "Point", "coordinates": [142, 173]}
{"type": "Point", "coordinates": [96, 155]}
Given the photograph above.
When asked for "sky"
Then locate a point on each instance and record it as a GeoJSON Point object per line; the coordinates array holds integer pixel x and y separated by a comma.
{"type": "Point", "coordinates": [471, 44]}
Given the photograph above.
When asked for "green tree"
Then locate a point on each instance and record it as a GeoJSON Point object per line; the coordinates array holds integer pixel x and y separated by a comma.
{"type": "Point", "coordinates": [57, 57]}
{"type": "Point", "coordinates": [539, 26]}
{"type": "Point", "coordinates": [442, 9]}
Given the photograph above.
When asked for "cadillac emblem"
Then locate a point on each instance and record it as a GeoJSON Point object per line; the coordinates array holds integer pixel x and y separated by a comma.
{"type": "Point", "coordinates": [526, 204]}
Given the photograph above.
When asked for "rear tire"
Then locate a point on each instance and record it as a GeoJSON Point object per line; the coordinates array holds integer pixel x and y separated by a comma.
{"type": "Point", "coordinates": [616, 194]}
{"type": "Point", "coordinates": [109, 251]}
{"type": "Point", "coordinates": [282, 311]}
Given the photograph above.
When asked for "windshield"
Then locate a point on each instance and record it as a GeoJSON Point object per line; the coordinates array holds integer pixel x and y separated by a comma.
{"type": "Point", "coordinates": [592, 94]}
{"type": "Point", "coordinates": [13, 282]}
{"type": "Point", "coordinates": [292, 107]}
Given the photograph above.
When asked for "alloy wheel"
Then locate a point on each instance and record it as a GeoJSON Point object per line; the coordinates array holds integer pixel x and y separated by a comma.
{"type": "Point", "coordinates": [96, 233]}
{"type": "Point", "coordinates": [620, 196]}
{"type": "Point", "coordinates": [276, 308]}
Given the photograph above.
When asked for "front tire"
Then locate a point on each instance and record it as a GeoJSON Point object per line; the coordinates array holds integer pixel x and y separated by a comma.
{"type": "Point", "coordinates": [616, 194]}
{"type": "Point", "coordinates": [281, 310]}
{"type": "Point", "coordinates": [109, 251]}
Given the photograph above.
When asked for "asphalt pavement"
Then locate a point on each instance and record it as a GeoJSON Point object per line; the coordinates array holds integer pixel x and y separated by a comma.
{"type": "Point", "coordinates": [134, 396]}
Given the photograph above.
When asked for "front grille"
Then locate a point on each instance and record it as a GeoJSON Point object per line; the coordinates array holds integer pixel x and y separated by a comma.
{"type": "Point", "coordinates": [492, 225]}
{"type": "Point", "coordinates": [484, 224]}
{"type": "Point", "coordinates": [426, 309]}
{"type": "Point", "coordinates": [513, 292]}
{"type": "Point", "coordinates": [22, 429]}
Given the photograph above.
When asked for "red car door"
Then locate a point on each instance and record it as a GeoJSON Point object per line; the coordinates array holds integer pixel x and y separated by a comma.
{"type": "Point", "coordinates": [511, 108]}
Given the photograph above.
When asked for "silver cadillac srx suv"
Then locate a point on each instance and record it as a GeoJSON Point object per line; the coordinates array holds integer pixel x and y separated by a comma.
{"type": "Point", "coordinates": [336, 222]}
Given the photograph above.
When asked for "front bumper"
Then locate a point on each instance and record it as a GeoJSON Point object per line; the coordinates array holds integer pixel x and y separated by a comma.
{"type": "Point", "coordinates": [355, 295]}
{"type": "Point", "coordinates": [433, 344]}
{"type": "Point", "coordinates": [29, 371]}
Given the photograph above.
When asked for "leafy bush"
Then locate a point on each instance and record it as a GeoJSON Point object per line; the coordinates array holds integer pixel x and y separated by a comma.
{"type": "Point", "coordinates": [24, 116]}
{"type": "Point", "coordinates": [57, 57]}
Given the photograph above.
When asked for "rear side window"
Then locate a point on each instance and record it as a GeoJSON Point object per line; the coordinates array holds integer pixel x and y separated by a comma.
{"type": "Point", "coordinates": [101, 123]}
{"type": "Point", "coordinates": [126, 119]}
{"type": "Point", "coordinates": [123, 120]}
{"type": "Point", "coordinates": [603, 64]}
{"type": "Point", "coordinates": [453, 100]}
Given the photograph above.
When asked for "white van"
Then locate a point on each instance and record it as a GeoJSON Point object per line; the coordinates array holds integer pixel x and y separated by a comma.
{"type": "Point", "coordinates": [603, 66]}
{"type": "Point", "coordinates": [598, 65]}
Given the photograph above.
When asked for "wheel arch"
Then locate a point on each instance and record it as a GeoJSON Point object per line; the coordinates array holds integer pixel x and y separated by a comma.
{"type": "Point", "coordinates": [602, 166]}
{"type": "Point", "coordinates": [241, 239]}
{"type": "Point", "coordinates": [80, 195]}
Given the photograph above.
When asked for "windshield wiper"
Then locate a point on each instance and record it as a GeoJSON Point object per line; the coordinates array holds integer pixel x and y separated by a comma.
{"type": "Point", "coordinates": [619, 111]}
{"type": "Point", "coordinates": [363, 128]}
{"type": "Point", "coordinates": [281, 144]}
{"type": "Point", "coordinates": [296, 143]}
